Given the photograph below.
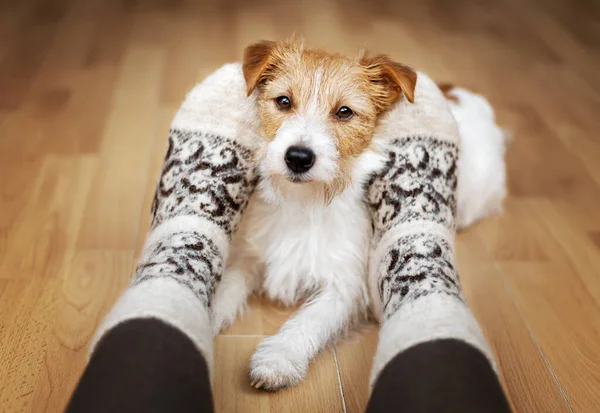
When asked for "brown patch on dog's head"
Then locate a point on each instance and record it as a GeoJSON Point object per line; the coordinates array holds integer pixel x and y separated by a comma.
{"type": "Point", "coordinates": [322, 97]}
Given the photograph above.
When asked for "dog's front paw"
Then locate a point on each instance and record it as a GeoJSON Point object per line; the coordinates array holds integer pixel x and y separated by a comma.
{"type": "Point", "coordinates": [274, 366]}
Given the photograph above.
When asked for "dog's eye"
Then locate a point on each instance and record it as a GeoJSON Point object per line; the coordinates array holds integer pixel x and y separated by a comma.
{"type": "Point", "coordinates": [283, 103]}
{"type": "Point", "coordinates": [344, 113]}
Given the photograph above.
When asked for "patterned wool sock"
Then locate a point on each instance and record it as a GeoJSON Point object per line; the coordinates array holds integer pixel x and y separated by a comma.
{"type": "Point", "coordinates": [153, 352]}
{"type": "Point", "coordinates": [432, 355]}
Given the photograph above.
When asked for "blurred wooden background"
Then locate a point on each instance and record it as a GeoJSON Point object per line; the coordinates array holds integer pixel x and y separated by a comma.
{"type": "Point", "coordinates": [88, 89]}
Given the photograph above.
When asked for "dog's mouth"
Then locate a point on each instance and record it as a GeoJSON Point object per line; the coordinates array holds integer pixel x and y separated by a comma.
{"type": "Point", "coordinates": [298, 179]}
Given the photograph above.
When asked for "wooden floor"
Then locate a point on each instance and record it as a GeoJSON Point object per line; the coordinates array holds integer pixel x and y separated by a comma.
{"type": "Point", "coordinates": [88, 89]}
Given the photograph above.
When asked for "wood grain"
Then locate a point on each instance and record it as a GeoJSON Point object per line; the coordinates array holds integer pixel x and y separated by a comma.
{"type": "Point", "coordinates": [318, 393]}
{"type": "Point", "coordinates": [518, 353]}
{"type": "Point", "coordinates": [355, 358]}
{"type": "Point", "coordinates": [87, 92]}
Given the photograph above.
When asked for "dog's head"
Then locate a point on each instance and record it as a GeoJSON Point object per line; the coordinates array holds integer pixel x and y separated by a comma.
{"type": "Point", "coordinates": [318, 111]}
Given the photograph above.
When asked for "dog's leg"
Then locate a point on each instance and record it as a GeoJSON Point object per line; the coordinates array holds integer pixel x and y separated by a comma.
{"type": "Point", "coordinates": [239, 281]}
{"type": "Point", "coordinates": [282, 360]}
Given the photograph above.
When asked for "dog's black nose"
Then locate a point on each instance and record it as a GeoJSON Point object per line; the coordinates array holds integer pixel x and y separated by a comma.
{"type": "Point", "coordinates": [299, 159]}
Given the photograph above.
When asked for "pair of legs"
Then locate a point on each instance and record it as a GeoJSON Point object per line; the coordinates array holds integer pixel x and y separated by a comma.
{"type": "Point", "coordinates": [282, 360]}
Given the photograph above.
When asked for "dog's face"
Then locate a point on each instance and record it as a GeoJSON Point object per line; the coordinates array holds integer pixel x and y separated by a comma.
{"type": "Point", "coordinates": [319, 111]}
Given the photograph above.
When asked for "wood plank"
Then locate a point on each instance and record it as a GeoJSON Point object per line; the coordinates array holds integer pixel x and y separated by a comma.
{"type": "Point", "coordinates": [578, 252]}
{"type": "Point", "coordinates": [318, 393]}
{"type": "Point", "coordinates": [355, 358]}
{"type": "Point", "coordinates": [559, 307]}
{"type": "Point", "coordinates": [518, 244]}
{"type": "Point", "coordinates": [566, 322]}
{"type": "Point", "coordinates": [260, 317]}
{"type": "Point", "coordinates": [159, 151]}
{"type": "Point", "coordinates": [26, 307]}
{"type": "Point", "coordinates": [48, 226]}
{"type": "Point", "coordinates": [519, 360]}
{"type": "Point", "coordinates": [113, 210]}
{"type": "Point", "coordinates": [91, 282]}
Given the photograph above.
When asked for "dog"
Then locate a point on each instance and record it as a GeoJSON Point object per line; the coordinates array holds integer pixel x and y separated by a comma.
{"type": "Point", "coordinates": [306, 232]}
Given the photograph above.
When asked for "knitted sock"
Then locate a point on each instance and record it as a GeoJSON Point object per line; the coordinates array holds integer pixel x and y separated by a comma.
{"type": "Point", "coordinates": [153, 352]}
{"type": "Point", "coordinates": [432, 355]}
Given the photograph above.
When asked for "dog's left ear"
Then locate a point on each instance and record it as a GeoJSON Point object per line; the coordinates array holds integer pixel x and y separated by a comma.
{"type": "Point", "coordinates": [256, 62]}
{"type": "Point", "coordinates": [390, 79]}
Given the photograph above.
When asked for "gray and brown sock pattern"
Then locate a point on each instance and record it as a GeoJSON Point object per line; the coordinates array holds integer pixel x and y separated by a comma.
{"type": "Point", "coordinates": [205, 176]}
{"type": "Point", "coordinates": [416, 186]}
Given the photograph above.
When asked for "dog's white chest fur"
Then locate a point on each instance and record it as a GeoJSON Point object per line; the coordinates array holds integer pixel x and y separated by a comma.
{"type": "Point", "coordinates": [293, 250]}
{"type": "Point", "coordinates": [303, 247]}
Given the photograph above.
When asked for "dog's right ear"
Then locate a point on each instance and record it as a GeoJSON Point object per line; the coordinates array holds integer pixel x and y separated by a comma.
{"type": "Point", "coordinates": [256, 61]}
{"type": "Point", "coordinates": [389, 79]}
